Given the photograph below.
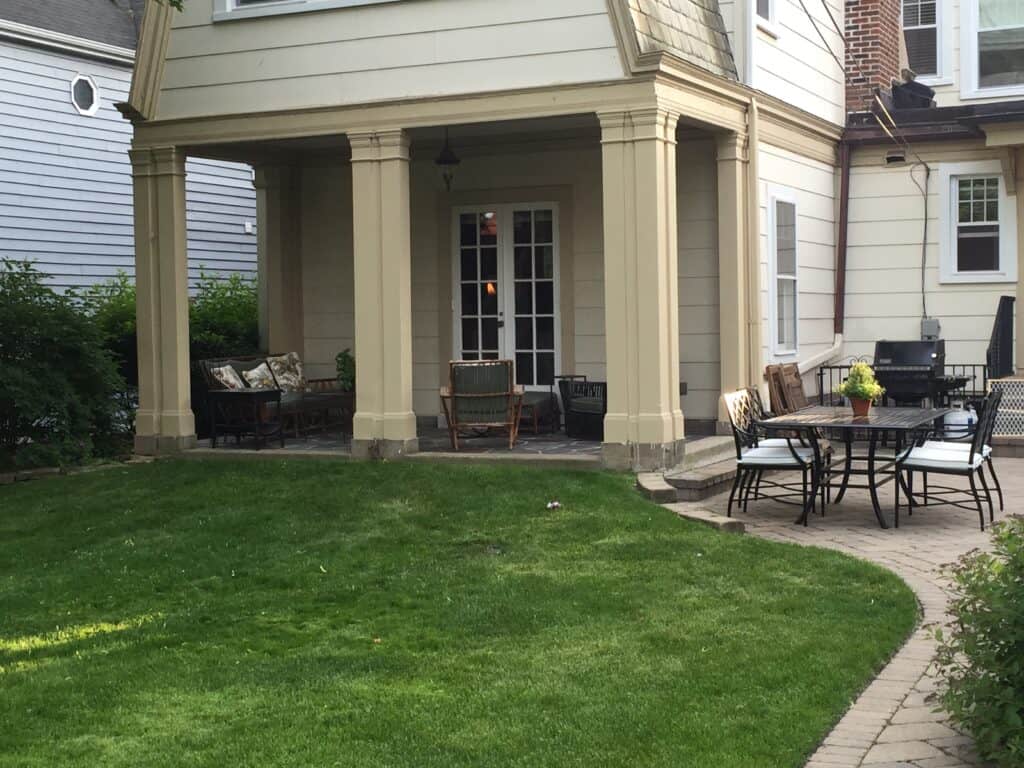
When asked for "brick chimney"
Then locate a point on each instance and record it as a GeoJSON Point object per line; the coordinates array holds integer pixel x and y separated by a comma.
{"type": "Point", "coordinates": [873, 31]}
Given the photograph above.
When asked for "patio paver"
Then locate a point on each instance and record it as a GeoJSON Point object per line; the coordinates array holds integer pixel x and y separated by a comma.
{"type": "Point", "coordinates": [892, 724]}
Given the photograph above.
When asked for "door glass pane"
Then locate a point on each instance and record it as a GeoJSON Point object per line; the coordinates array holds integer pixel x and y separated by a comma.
{"type": "Point", "coordinates": [524, 368]}
{"type": "Point", "coordinates": [524, 333]}
{"type": "Point", "coordinates": [545, 333]}
{"type": "Point", "coordinates": [488, 263]}
{"type": "Point", "coordinates": [489, 334]}
{"type": "Point", "coordinates": [545, 298]}
{"type": "Point", "coordinates": [470, 334]}
{"type": "Point", "coordinates": [544, 261]}
{"type": "Point", "coordinates": [488, 229]}
{"type": "Point", "coordinates": [523, 268]}
{"type": "Point", "coordinates": [468, 263]}
{"type": "Point", "coordinates": [543, 229]}
{"type": "Point", "coordinates": [522, 232]}
{"type": "Point", "coordinates": [524, 298]}
{"type": "Point", "coordinates": [467, 229]}
{"type": "Point", "coordinates": [545, 368]}
{"type": "Point", "coordinates": [489, 298]}
{"type": "Point", "coordinates": [469, 303]}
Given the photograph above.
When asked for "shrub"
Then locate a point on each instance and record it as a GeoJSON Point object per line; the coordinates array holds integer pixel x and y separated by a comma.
{"type": "Point", "coordinates": [982, 658]}
{"type": "Point", "coordinates": [58, 383]}
{"type": "Point", "coordinates": [861, 383]}
{"type": "Point", "coordinates": [224, 318]}
{"type": "Point", "coordinates": [346, 367]}
{"type": "Point", "coordinates": [112, 305]}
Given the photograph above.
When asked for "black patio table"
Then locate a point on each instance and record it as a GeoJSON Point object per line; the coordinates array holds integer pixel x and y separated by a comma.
{"type": "Point", "coordinates": [878, 425]}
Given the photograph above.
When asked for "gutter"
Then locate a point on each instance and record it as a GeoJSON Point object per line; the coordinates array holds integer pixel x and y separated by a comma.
{"type": "Point", "coordinates": [25, 34]}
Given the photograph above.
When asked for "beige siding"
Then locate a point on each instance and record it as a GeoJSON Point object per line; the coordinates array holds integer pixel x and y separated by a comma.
{"type": "Point", "coordinates": [883, 296]}
{"type": "Point", "coordinates": [698, 278]}
{"type": "Point", "coordinates": [813, 184]}
{"type": "Point", "coordinates": [381, 52]}
{"type": "Point", "coordinates": [791, 62]}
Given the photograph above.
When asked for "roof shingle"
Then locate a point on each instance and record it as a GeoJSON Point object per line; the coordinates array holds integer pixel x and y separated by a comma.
{"type": "Point", "coordinates": [693, 30]}
{"type": "Point", "coordinates": [114, 22]}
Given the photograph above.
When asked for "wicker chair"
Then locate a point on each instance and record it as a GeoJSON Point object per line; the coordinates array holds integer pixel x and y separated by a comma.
{"type": "Point", "coordinates": [584, 403]}
{"type": "Point", "coordinates": [482, 397]}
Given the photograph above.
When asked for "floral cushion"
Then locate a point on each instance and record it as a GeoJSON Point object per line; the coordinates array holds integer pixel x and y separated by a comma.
{"type": "Point", "coordinates": [260, 377]}
{"type": "Point", "coordinates": [228, 377]}
{"type": "Point", "coordinates": [288, 372]}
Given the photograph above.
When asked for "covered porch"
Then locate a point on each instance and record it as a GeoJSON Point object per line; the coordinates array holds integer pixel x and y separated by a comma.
{"type": "Point", "coordinates": [608, 243]}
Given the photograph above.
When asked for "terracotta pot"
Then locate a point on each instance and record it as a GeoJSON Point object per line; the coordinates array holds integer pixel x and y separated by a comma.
{"type": "Point", "coordinates": [860, 407]}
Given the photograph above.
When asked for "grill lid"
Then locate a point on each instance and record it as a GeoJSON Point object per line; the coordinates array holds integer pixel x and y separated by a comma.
{"type": "Point", "coordinates": [904, 354]}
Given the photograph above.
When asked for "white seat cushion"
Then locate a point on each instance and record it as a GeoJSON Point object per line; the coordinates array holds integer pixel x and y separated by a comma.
{"type": "Point", "coordinates": [778, 456]}
{"type": "Point", "coordinates": [939, 459]}
{"type": "Point", "coordinates": [964, 448]}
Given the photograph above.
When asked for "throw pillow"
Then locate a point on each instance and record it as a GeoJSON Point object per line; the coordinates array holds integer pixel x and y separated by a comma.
{"type": "Point", "coordinates": [288, 372]}
{"type": "Point", "coordinates": [228, 377]}
{"type": "Point", "coordinates": [260, 377]}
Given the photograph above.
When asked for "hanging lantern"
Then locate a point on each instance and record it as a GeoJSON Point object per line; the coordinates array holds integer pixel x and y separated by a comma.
{"type": "Point", "coordinates": [446, 161]}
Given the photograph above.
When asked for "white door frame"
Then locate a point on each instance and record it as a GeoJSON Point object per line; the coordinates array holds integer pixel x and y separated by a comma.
{"type": "Point", "coordinates": [506, 273]}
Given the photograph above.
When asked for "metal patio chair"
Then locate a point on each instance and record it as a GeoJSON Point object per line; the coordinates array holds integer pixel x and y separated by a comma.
{"type": "Point", "coordinates": [757, 454]}
{"type": "Point", "coordinates": [931, 457]}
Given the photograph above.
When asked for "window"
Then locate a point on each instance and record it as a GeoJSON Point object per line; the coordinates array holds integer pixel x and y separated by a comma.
{"type": "Point", "coordinates": [764, 9]}
{"type": "Point", "coordinates": [783, 269]}
{"type": "Point", "coordinates": [993, 48]}
{"type": "Point", "coordinates": [921, 32]}
{"type": "Point", "coordinates": [85, 96]}
{"type": "Point", "coordinates": [977, 224]}
{"type": "Point", "coordinates": [978, 240]}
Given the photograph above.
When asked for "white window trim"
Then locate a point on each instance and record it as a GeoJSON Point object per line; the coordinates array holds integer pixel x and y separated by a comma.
{"type": "Point", "coordinates": [969, 88]}
{"type": "Point", "coordinates": [229, 10]}
{"type": "Point", "coordinates": [943, 45]}
{"type": "Point", "coordinates": [783, 195]}
{"type": "Point", "coordinates": [1007, 272]}
{"type": "Point", "coordinates": [95, 95]}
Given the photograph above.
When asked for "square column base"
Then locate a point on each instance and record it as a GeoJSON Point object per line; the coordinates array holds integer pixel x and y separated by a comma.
{"type": "Point", "coordinates": [379, 448]}
{"type": "Point", "coordinates": [642, 457]}
{"type": "Point", "coordinates": [162, 445]}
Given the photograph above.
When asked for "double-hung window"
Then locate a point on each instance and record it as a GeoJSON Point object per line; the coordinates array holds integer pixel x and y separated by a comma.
{"type": "Point", "coordinates": [783, 288]}
{"type": "Point", "coordinates": [921, 33]}
{"type": "Point", "coordinates": [992, 48]}
{"type": "Point", "coordinates": [978, 241]}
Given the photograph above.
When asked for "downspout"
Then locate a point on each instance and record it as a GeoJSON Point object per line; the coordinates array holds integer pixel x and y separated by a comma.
{"type": "Point", "coordinates": [839, 306]}
{"type": "Point", "coordinates": [754, 351]}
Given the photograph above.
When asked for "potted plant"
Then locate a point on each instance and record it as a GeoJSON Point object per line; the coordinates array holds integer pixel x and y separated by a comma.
{"type": "Point", "coordinates": [861, 388]}
{"type": "Point", "coordinates": [345, 365]}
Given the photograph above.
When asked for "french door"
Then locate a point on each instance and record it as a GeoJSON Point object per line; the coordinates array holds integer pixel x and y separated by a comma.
{"type": "Point", "coordinates": [506, 288]}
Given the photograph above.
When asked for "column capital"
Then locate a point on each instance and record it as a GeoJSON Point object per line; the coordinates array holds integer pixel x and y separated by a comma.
{"type": "Point", "coordinates": [638, 124]}
{"type": "Point", "coordinates": [379, 144]}
{"type": "Point", "coordinates": [157, 161]}
{"type": "Point", "coordinates": [732, 147]}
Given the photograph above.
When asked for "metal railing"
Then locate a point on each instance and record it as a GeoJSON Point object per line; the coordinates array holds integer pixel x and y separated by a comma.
{"type": "Point", "coordinates": [831, 376]}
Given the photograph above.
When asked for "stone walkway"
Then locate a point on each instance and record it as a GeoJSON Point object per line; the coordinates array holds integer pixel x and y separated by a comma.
{"type": "Point", "coordinates": [891, 724]}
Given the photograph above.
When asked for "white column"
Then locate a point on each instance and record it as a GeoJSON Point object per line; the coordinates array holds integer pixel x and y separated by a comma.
{"type": "Point", "coordinates": [384, 423]}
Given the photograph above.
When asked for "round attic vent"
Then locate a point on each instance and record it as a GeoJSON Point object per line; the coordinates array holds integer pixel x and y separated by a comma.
{"type": "Point", "coordinates": [85, 95]}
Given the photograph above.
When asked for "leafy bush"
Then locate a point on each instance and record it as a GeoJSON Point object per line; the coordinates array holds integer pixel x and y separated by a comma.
{"type": "Point", "coordinates": [224, 318]}
{"type": "Point", "coordinates": [982, 658]}
{"type": "Point", "coordinates": [861, 383]}
{"type": "Point", "coordinates": [112, 305]}
{"type": "Point", "coordinates": [58, 383]}
{"type": "Point", "coordinates": [346, 367]}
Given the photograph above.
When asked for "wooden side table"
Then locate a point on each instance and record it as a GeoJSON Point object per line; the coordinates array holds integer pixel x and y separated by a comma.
{"type": "Point", "coordinates": [244, 412]}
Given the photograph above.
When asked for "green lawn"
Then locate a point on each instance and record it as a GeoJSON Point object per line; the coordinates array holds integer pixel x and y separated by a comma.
{"type": "Point", "coordinates": [313, 613]}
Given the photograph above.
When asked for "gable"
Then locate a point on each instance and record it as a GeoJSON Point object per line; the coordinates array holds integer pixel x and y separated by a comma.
{"type": "Point", "coordinates": [693, 30]}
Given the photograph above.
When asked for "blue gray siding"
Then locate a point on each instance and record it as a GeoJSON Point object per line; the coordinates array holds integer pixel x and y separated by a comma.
{"type": "Point", "coordinates": [65, 178]}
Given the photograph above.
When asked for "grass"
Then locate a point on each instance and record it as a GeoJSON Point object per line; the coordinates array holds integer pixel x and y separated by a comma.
{"type": "Point", "coordinates": [312, 613]}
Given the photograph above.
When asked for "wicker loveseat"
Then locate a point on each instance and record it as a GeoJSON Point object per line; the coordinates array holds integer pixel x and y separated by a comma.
{"type": "Point", "coordinates": [305, 403]}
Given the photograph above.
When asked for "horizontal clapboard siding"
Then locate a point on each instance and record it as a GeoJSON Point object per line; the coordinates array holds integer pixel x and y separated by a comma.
{"type": "Point", "coordinates": [65, 179]}
{"type": "Point", "coordinates": [382, 52]}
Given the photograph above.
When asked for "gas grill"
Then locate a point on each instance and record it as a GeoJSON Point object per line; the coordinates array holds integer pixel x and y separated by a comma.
{"type": "Point", "coordinates": [914, 371]}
